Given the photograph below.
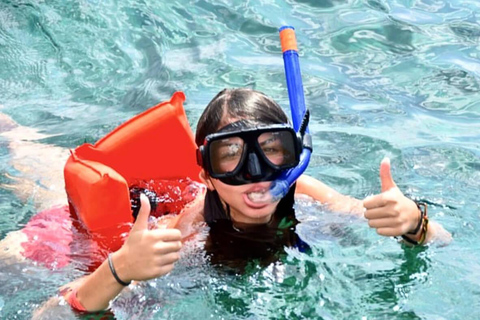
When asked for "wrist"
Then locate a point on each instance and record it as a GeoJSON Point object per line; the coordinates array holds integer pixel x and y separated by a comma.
{"type": "Point", "coordinates": [414, 236]}
{"type": "Point", "coordinates": [418, 236]}
{"type": "Point", "coordinates": [119, 268]}
{"type": "Point", "coordinates": [421, 212]}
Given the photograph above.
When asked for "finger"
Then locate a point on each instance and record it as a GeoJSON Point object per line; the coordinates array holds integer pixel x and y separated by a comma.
{"type": "Point", "coordinates": [142, 218]}
{"type": "Point", "coordinates": [388, 232]}
{"type": "Point", "coordinates": [167, 247]}
{"type": "Point", "coordinates": [163, 270]}
{"type": "Point", "coordinates": [380, 223]}
{"type": "Point", "coordinates": [167, 235]}
{"type": "Point", "coordinates": [166, 259]}
{"type": "Point", "coordinates": [380, 213]}
{"type": "Point", "coordinates": [376, 213]}
{"type": "Point", "coordinates": [386, 175]}
{"type": "Point", "coordinates": [375, 201]}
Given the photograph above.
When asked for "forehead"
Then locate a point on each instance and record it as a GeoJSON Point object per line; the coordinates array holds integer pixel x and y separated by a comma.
{"type": "Point", "coordinates": [227, 121]}
{"type": "Point", "coordinates": [242, 125]}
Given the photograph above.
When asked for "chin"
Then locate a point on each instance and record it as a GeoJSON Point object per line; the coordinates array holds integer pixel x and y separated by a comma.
{"type": "Point", "coordinates": [255, 216]}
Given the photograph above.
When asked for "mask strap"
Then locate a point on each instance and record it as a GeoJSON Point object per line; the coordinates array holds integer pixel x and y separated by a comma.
{"type": "Point", "coordinates": [304, 124]}
{"type": "Point", "coordinates": [306, 137]}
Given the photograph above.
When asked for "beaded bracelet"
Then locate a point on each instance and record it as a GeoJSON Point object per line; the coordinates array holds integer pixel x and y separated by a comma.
{"type": "Point", "coordinates": [423, 212]}
{"type": "Point", "coordinates": [423, 223]}
{"type": "Point", "coordinates": [115, 275]}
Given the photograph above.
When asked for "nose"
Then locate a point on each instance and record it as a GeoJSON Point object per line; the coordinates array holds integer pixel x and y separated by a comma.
{"type": "Point", "coordinates": [254, 167]}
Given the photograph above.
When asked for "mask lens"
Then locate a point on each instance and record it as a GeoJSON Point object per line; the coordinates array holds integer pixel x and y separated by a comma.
{"type": "Point", "coordinates": [278, 148]}
{"type": "Point", "coordinates": [226, 154]}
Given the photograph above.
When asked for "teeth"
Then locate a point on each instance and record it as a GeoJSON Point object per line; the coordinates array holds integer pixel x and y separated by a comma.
{"type": "Point", "coordinates": [258, 196]}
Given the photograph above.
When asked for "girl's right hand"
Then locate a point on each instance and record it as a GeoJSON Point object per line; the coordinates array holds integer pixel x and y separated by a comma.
{"type": "Point", "coordinates": [147, 254]}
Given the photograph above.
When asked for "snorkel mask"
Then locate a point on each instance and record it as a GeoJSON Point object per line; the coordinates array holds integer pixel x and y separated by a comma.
{"type": "Point", "coordinates": [247, 152]}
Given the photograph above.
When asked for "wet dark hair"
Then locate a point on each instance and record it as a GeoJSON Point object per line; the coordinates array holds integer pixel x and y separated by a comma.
{"type": "Point", "coordinates": [239, 103]}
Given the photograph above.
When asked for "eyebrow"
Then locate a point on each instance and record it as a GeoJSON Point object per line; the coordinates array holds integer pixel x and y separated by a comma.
{"type": "Point", "coordinates": [274, 136]}
{"type": "Point", "coordinates": [223, 143]}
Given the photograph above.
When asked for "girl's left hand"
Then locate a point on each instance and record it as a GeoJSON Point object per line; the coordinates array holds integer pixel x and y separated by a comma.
{"type": "Point", "coordinates": [390, 212]}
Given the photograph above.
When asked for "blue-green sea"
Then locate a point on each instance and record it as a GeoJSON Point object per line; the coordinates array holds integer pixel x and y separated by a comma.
{"type": "Point", "coordinates": [396, 78]}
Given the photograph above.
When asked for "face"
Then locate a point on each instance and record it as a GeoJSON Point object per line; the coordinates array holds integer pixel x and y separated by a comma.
{"type": "Point", "coordinates": [239, 198]}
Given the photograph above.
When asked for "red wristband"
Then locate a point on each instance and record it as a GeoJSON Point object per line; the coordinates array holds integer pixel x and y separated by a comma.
{"type": "Point", "coordinates": [74, 302]}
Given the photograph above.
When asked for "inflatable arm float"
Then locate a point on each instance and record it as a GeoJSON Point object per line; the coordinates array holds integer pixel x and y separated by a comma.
{"type": "Point", "coordinates": [156, 144]}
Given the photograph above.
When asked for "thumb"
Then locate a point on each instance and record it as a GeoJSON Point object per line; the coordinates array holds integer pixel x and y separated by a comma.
{"type": "Point", "coordinates": [142, 218]}
{"type": "Point", "coordinates": [386, 175]}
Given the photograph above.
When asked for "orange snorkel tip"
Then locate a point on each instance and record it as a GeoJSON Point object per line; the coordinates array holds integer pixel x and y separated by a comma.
{"type": "Point", "coordinates": [288, 40]}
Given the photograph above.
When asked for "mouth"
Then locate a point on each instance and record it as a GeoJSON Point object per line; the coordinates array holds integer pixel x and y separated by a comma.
{"type": "Point", "coordinates": [258, 196]}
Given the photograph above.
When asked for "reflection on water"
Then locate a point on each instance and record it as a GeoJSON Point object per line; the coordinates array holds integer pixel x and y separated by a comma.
{"type": "Point", "coordinates": [382, 77]}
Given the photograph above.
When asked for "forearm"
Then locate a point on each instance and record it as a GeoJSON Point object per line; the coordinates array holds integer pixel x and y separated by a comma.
{"type": "Point", "coordinates": [347, 204]}
{"type": "Point", "coordinates": [436, 234]}
{"type": "Point", "coordinates": [328, 196]}
{"type": "Point", "coordinates": [96, 291]}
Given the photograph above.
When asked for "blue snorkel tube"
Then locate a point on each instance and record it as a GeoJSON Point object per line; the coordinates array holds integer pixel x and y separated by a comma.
{"type": "Point", "coordinates": [300, 114]}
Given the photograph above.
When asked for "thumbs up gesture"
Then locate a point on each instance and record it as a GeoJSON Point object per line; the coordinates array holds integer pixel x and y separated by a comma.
{"type": "Point", "coordinates": [147, 254]}
{"type": "Point", "coordinates": [390, 212]}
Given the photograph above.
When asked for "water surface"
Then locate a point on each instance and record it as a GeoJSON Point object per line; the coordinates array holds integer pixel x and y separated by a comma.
{"type": "Point", "coordinates": [397, 78]}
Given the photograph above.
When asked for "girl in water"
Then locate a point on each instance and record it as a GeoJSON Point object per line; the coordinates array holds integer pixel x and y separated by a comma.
{"type": "Point", "coordinates": [244, 142]}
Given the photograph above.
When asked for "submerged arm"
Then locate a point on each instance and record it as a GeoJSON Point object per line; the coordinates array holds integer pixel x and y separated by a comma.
{"type": "Point", "coordinates": [333, 199]}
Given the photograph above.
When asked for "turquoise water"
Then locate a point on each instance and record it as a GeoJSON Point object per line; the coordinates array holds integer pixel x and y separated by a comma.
{"type": "Point", "coordinates": [382, 77]}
